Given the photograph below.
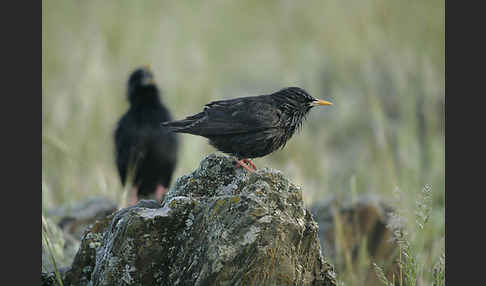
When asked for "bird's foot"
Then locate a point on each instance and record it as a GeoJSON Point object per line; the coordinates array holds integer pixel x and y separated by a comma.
{"type": "Point", "coordinates": [133, 197]}
{"type": "Point", "coordinates": [248, 161]}
{"type": "Point", "coordinates": [160, 192]}
{"type": "Point", "coordinates": [243, 163]}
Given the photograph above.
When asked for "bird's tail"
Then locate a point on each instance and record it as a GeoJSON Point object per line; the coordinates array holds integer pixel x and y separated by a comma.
{"type": "Point", "coordinates": [183, 126]}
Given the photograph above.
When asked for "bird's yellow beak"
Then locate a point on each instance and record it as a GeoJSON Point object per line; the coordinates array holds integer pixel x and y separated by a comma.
{"type": "Point", "coordinates": [318, 102]}
{"type": "Point", "coordinates": [148, 80]}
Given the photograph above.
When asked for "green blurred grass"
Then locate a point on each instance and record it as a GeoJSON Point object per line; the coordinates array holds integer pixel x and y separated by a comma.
{"type": "Point", "coordinates": [380, 62]}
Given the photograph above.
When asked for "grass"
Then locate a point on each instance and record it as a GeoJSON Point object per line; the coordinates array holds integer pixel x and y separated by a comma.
{"type": "Point", "coordinates": [47, 237]}
{"type": "Point", "coordinates": [413, 270]}
{"type": "Point", "coordinates": [380, 62]}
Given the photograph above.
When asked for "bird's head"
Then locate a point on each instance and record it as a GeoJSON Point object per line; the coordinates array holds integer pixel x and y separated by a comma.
{"type": "Point", "coordinates": [141, 85]}
{"type": "Point", "coordinates": [296, 103]}
{"type": "Point", "coordinates": [296, 99]}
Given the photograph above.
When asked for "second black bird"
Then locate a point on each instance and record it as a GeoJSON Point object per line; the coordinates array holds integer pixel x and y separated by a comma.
{"type": "Point", "coordinates": [144, 151]}
{"type": "Point", "coordinates": [250, 127]}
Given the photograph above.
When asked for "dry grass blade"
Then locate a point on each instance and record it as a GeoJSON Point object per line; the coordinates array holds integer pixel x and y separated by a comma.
{"type": "Point", "coordinates": [381, 275]}
{"type": "Point", "coordinates": [47, 246]}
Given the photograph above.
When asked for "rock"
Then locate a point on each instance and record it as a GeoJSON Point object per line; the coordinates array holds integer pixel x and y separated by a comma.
{"type": "Point", "coordinates": [64, 237]}
{"type": "Point", "coordinates": [85, 259]}
{"type": "Point", "coordinates": [50, 279]}
{"type": "Point", "coordinates": [216, 226]}
{"type": "Point", "coordinates": [75, 219]}
{"type": "Point", "coordinates": [363, 220]}
{"type": "Point", "coordinates": [57, 251]}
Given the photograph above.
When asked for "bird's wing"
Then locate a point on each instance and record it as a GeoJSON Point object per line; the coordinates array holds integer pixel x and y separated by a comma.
{"type": "Point", "coordinates": [234, 116]}
{"type": "Point", "coordinates": [122, 157]}
{"type": "Point", "coordinates": [125, 146]}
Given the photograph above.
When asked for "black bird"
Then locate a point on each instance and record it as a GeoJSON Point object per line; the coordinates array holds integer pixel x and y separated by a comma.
{"type": "Point", "coordinates": [145, 153]}
{"type": "Point", "coordinates": [250, 127]}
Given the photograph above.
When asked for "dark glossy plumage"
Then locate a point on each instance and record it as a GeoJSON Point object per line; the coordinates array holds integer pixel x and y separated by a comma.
{"type": "Point", "coordinates": [139, 138]}
{"type": "Point", "coordinates": [250, 127]}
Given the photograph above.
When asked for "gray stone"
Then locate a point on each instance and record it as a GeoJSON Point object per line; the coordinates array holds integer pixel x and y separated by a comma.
{"type": "Point", "coordinates": [216, 226]}
{"type": "Point", "coordinates": [75, 218]}
{"type": "Point", "coordinates": [58, 251]}
{"type": "Point", "coordinates": [64, 226]}
{"type": "Point", "coordinates": [359, 223]}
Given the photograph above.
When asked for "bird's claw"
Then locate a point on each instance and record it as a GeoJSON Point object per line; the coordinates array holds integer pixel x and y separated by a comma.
{"type": "Point", "coordinates": [243, 163]}
{"type": "Point", "coordinates": [248, 161]}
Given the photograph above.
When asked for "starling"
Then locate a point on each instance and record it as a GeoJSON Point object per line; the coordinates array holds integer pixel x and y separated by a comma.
{"type": "Point", "coordinates": [250, 127]}
{"type": "Point", "coordinates": [145, 153]}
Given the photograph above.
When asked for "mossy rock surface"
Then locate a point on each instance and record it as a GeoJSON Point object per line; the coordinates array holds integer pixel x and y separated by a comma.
{"type": "Point", "coordinates": [216, 226]}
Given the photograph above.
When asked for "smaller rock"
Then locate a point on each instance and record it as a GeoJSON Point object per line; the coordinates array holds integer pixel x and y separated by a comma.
{"type": "Point", "coordinates": [50, 279]}
{"type": "Point", "coordinates": [74, 219]}
{"type": "Point", "coordinates": [364, 219]}
{"type": "Point", "coordinates": [56, 250]}
{"type": "Point", "coordinates": [64, 237]}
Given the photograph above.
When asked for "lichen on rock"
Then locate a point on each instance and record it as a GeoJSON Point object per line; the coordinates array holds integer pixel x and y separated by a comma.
{"type": "Point", "coordinates": [216, 226]}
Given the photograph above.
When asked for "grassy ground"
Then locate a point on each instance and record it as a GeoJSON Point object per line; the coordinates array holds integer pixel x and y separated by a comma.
{"type": "Point", "coordinates": [380, 62]}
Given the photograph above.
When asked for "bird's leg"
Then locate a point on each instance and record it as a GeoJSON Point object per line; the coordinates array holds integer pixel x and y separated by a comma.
{"type": "Point", "coordinates": [133, 197]}
{"type": "Point", "coordinates": [248, 161]}
{"type": "Point", "coordinates": [241, 163]}
{"type": "Point", "coordinates": [160, 192]}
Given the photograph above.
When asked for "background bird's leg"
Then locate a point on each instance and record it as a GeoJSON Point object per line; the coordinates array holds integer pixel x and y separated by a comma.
{"type": "Point", "coordinates": [160, 192]}
{"type": "Point", "coordinates": [244, 165]}
{"type": "Point", "coordinates": [248, 161]}
{"type": "Point", "coordinates": [133, 197]}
